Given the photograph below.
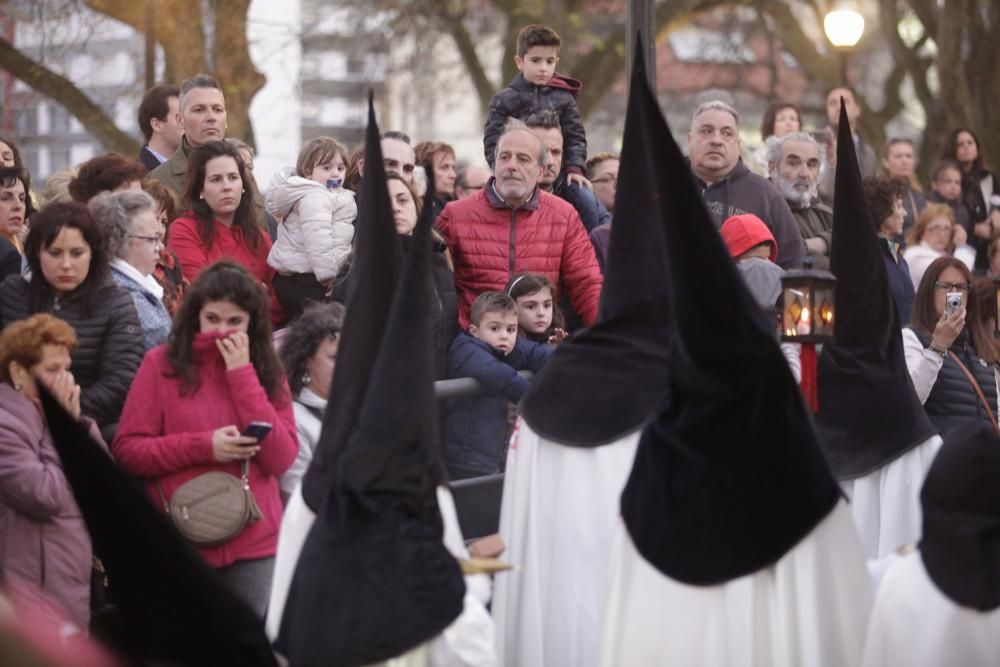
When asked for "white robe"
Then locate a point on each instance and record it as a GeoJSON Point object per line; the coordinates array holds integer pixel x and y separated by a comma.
{"type": "Point", "coordinates": [558, 515]}
{"type": "Point", "coordinates": [809, 608]}
{"type": "Point", "coordinates": [914, 624]}
{"type": "Point", "coordinates": [467, 642]}
{"type": "Point", "coordinates": [886, 502]}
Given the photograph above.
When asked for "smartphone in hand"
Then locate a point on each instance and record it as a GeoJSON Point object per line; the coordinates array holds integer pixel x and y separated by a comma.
{"type": "Point", "coordinates": [258, 430]}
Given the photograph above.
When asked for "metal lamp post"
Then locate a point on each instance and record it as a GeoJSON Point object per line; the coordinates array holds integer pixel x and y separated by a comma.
{"type": "Point", "coordinates": [844, 27]}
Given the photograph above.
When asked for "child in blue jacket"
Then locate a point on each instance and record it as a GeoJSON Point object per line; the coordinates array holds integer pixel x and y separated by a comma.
{"type": "Point", "coordinates": [475, 428]}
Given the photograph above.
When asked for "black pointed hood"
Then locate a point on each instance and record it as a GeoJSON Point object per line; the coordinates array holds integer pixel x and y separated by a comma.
{"type": "Point", "coordinates": [730, 475]}
{"type": "Point", "coordinates": [374, 578]}
{"type": "Point", "coordinates": [608, 380]}
{"type": "Point", "coordinates": [960, 499]}
{"type": "Point", "coordinates": [372, 280]}
{"type": "Point", "coordinates": [172, 605]}
{"type": "Point", "coordinates": [869, 411]}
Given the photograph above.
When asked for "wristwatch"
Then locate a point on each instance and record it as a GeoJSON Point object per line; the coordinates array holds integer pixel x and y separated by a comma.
{"type": "Point", "coordinates": [938, 350]}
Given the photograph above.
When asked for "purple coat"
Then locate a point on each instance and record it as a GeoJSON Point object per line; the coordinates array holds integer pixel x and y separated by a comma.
{"type": "Point", "coordinates": [43, 539]}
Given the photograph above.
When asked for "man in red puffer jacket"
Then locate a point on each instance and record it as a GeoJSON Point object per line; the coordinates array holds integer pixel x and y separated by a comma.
{"type": "Point", "coordinates": [511, 226]}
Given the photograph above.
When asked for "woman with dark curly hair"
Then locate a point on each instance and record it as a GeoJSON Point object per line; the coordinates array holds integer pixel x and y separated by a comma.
{"type": "Point", "coordinates": [309, 353]}
{"type": "Point", "coordinates": [885, 202]}
{"type": "Point", "coordinates": [224, 222]}
{"type": "Point", "coordinates": [110, 172]}
{"type": "Point", "coordinates": [950, 351]}
{"type": "Point", "coordinates": [194, 397]}
{"type": "Point", "coordinates": [69, 278]}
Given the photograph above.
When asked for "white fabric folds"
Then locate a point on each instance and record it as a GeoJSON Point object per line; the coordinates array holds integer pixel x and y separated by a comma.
{"type": "Point", "coordinates": [809, 608]}
{"type": "Point", "coordinates": [560, 508]}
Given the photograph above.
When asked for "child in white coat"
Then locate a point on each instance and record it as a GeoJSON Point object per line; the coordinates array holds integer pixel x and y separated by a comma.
{"type": "Point", "coordinates": [317, 225]}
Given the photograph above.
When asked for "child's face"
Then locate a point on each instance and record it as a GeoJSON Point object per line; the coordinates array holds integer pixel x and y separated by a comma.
{"type": "Point", "coordinates": [948, 184]}
{"type": "Point", "coordinates": [496, 329]}
{"type": "Point", "coordinates": [534, 311]}
{"type": "Point", "coordinates": [334, 169]}
{"type": "Point", "coordinates": [538, 64]}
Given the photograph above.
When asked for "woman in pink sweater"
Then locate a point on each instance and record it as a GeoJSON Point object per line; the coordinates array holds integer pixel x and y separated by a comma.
{"type": "Point", "coordinates": [194, 396]}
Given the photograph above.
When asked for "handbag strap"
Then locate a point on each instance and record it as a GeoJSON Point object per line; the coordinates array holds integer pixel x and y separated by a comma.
{"type": "Point", "coordinates": [975, 387]}
{"type": "Point", "coordinates": [244, 477]}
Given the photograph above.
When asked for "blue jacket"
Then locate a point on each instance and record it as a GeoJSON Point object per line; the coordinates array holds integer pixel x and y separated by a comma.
{"type": "Point", "coordinates": [475, 429]}
{"type": "Point", "coordinates": [900, 283]}
{"type": "Point", "coordinates": [591, 210]}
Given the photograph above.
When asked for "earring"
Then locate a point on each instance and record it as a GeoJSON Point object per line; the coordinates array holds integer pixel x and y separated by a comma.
{"type": "Point", "coordinates": [18, 387]}
{"type": "Point", "coordinates": [306, 379]}
{"type": "Point", "coordinates": [243, 190]}
{"type": "Point", "coordinates": [201, 196]}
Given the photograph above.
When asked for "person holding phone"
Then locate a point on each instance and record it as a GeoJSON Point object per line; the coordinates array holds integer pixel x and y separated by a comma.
{"type": "Point", "coordinates": [195, 406]}
{"type": "Point", "coordinates": [950, 352]}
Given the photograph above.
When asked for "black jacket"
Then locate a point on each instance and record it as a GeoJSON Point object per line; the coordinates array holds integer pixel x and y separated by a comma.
{"type": "Point", "coordinates": [521, 98]}
{"type": "Point", "coordinates": [10, 260]}
{"type": "Point", "coordinates": [109, 342]}
{"type": "Point", "coordinates": [148, 160]}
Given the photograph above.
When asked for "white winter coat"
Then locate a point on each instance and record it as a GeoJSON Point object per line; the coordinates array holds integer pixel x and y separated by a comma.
{"type": "Point", "coordinates": [317, 227]}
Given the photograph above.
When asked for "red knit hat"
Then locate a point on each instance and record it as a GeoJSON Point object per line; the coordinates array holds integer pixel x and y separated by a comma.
{"type": "Point", "coordinates": [743, 232]}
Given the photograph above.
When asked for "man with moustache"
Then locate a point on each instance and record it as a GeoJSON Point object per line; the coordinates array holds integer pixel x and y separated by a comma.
{"type": "Point", "coordinates": [794, 164]}
{"type": "Point", "coordinates": [513, 226]}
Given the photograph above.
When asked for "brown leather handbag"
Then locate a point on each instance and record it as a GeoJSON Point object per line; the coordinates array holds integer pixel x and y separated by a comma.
{"type": "Point", "coordinates": [212, 508]}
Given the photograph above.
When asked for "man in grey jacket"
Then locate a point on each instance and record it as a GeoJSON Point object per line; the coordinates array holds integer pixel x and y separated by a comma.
{"type": "Point", "coordinates": [729, 187]}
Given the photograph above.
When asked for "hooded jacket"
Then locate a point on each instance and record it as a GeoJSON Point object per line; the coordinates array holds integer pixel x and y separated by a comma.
{"type": "Point", "coordinates": [317, 225]}
{"type": "Point", "coordinates": [490, 242]}
{"type": "Point", "coordinates": [109, 342]}
{"type": "Point", "coordinates": [521, 98]}
{"type": "Point", "coordinates": [743, 191]}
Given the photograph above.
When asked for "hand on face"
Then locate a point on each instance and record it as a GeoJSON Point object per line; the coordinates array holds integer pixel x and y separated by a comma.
{"type": "Point", "coordinates": [235, 349]}
{"type": "Point", "coordinates": [65, 390]}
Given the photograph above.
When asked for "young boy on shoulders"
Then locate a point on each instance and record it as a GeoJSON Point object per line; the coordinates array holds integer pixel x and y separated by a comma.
{"type": "Point", "coordinates": [475, 428]}
{"type": "Point", "coordinates": [536, 87]}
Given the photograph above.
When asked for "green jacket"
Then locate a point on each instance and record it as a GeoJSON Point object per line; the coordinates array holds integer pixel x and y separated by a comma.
{"type": "Point", "coordinates": [816, 221]}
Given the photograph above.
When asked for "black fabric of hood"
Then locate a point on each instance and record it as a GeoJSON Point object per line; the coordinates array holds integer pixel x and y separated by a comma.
{"type": "Point", "coordinates": [869, 413]}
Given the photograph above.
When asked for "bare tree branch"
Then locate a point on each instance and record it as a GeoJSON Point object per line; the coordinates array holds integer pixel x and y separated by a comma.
{"type": "Point", "coordinates": [467, 50]}
{"type": "Point", "coordinates": [63, 91]}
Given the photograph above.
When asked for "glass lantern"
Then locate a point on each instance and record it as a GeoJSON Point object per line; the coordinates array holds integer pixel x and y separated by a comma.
{"type": "Point", "coordinates": [807, 311]}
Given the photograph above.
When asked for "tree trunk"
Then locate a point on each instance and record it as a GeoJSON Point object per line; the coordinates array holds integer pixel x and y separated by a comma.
{"type": "Point", "coordinates": [62, 90]}
{"type": "Point", "coordinates": [233, 67]}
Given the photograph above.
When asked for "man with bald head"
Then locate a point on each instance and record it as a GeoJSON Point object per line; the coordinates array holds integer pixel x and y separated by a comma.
{"type": "Point", "coordinates": [512, 226]}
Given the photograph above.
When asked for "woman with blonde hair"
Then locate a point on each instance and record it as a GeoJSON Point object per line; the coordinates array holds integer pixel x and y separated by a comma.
{"type": "Point", "coordinates": [935, 234]}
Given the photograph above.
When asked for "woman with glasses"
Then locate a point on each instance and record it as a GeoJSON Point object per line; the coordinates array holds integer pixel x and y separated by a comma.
{"type": "Point", "coordinates": [935, 234]}
{"type": "Point", "coordinates": [950, 351]}
{"type": "Point", "coordinates": [133, 237]}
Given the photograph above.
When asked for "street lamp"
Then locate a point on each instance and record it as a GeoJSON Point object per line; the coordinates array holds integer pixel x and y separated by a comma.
{"type": "Point", "coordinates": [844, 27]}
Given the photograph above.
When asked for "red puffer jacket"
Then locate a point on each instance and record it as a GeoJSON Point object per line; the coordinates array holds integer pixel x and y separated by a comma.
{"type": "Point", "coordinates": [490, 242]}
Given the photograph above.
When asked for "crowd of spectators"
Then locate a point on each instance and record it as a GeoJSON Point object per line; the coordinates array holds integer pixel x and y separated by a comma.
{"type": "Point", "coordinates": [145, 293]}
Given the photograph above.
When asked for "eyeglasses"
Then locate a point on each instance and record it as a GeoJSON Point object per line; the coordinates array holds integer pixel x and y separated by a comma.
{"type": "Point", "coordinates": [953, 287]}
{"type": "Point", "coordinates": [155, 240]}
{"type": "Point", "coordinates": [609, 178]}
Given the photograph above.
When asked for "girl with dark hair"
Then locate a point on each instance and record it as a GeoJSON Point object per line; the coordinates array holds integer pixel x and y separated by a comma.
{"type": "Point", "coordinates": [779, 119]}
{"type": "Point", "coordinates": [950, 351]}
{"type": "Point", "coordinates": [309, 353]}
{"type": "Point", "coordinates": [539, 318]}
{"type": "Point", "coordinates": [194, 397]}
{"type": "Point", "coordinates": [69, 278]}
{"type": "Point", "coordinates": [223, 221]}
{"type": "Point", "coordinates": [980, 188]}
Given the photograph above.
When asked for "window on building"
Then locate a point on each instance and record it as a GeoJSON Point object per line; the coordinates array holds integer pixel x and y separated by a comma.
{"type": "Point", "coordinates": [59, 121]}
{"type": "Point", "coordinates": [26, 122]}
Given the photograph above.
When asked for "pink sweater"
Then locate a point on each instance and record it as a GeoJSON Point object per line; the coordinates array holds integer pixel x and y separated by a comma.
{"type": "Point", "coordinates": [166, 437]}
